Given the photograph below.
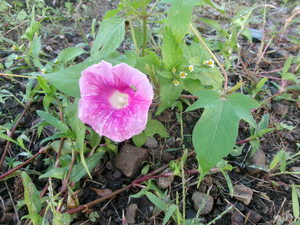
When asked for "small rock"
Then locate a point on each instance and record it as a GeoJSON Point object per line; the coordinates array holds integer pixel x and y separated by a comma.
{"type": "Point", "coordinates": [258, 160]}
{"type": "Point", "coordinates": [117, 174]}
{"type": "Point", "coordinates": [165, 182]}
{"type": "Point", "coordinates": [237, 218]}
{"type": "Point", "coordinates": [130, 159]}
{"type": "Point", "coordinates": [253, 216]}
{"type": "Point", "coordinates": [288, 136]}
{"type": "Point", "coordinates": [171, 141]}
{"type": "Point", "coordinates": [243, 193]}
{"type": "Point", "coordinates": [151, 142]}
{"type": "Point", "coordinates": [202, 202]}
{"type": "Point", "coordinates": [131, 213]}
{"type": "Point", "coordinates": [280, 109]}
{"type": "Point", "coordinates": [240, 206]}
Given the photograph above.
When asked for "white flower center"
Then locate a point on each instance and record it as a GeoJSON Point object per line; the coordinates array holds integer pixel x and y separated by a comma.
{"type": "Point", "coordinates": [118, 100]}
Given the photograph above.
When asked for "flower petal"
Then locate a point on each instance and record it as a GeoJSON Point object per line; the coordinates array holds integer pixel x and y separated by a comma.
{"type": "Point", "coordinates": [135, 79]}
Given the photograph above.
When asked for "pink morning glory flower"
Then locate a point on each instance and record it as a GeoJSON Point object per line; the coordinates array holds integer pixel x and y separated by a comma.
{"type": "Point", "coordinates": [114, 100]}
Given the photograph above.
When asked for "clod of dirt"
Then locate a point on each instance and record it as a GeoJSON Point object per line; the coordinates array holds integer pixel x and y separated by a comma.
{"type": "Point", "coordinates": [258, 160]}
{"type": "Point", "coordinates": [151, 142]}
{"type": "Point", "coordinates": [130, 159]}
{"type": "Point", "coordinates": [7, 217]}
{"type": "Point", "coordinates": [165, 182]}
{"type": "Point", "coordinates": [131, 213]}
{"type": "Point", "coordinates": [280, 109]}
{"type": "Point", "coordinates": [253, 216]}
{"type": "Point", "coordinates": [243, 193]}
{"type": "Point", "coordinates": [237, 218]}
{"type": "Point", "coordinates": [202, 202]}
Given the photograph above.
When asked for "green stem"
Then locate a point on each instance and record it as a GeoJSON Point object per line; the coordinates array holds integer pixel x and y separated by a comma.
{"type": "Point", "coordinates": [137, 49]}
{"type": "Point", "coordinates": [145, 17]}
{"type": "Point", "coordinates": [198, 35]}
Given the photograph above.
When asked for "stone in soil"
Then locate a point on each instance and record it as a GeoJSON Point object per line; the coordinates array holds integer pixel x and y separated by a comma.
{"type": "Point", "coordinates": [237, 218]}
{"type": "Point", "coordinates": [151, 142]}
{"type": "Point", "coordinates": [258, 160]}
{"type": "Point", "coordinates": [253, 216]}
{"type": "Point", "coordinates": [131, 213]}
{"type": "Point", "coordinates": [165, 182]}
{"type": "Point", "coordinates": [202, 202]}
{"type": "Point", "coordinates": [130, 158]}
{"type": "Point", "coordinates": [280, 109]}
{"type": "Point", "coordinates": [243, 193]}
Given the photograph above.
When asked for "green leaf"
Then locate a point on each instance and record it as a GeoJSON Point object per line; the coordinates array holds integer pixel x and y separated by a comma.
{"type": "Point", "coordinates": [32, 199]}
{"type": "Point", "coordinates": [155, 127]}
{"type": "Point", "coordinates": [170, 210]}
{"type": "Point", "coordinates": [215, 133]}
{"type": "Point", "coordinates": [67, 80]}
{"type": "Point", "coordinates": [57, 173]}
{"type": "Point", "coordinates": [287, 64]}
{"type": "Point", "coordinates": [139, 140]}
{"type": "Point", "coordinates": [277, 159]}
{"type": "Point", "coordinates": [69, 54]}
{"type": "Point", "coordinates": [53, 121]}
{"type": "Point", "coordinates": [180, 16]}
{"type": "Point", "coordinates": [110, 36]}
{"type": "Point", "coordinates": [79, 129]}
{"type": "Point", "coordinates": [209, 77]}
{"type": "Point", "coordinates": [35, 47]}
{"type": "Point", "coordinates": [193, 86]}
{"type": "Point", "coordinates": [295, 202]}
{"type": "Point", "coordinates": [61, 219]}
{"type": "Point", "coordinates": [168, 94]}
{"type": "Point", "coordinates": [78, 170]}
{"type": "Point", "coordinates": [157, 201]}
{"type": "Point", "coordinates": [171, 51]}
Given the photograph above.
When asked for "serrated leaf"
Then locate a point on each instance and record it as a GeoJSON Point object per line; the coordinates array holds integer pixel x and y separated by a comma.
{"type": "Point", "coordinates": [168, 94]}
{"type": "Point", "coordinates": [67, 80]}
{"type": "Point", "coordinates": [171, 50]}
{"type": "Point", "coordinates": [215, 133]}
{"type": "Point", "coordinates": [53, 121]}
{"type": "Point", "coordinates": [209, 77]}
{"type": "Point", "coordinates": [193, 86]}
{"type": "Point", "coordinates": [109, 37]}
{"type": "Point", "coordinates": [180, 16]}
{"type": "Point", "coordinates": [68, 54]}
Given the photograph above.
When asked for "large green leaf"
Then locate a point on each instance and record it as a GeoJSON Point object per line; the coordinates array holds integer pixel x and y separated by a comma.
{"type": "Point", "coordinates": [67, 80]}
{"type": "Point", "coordinates": [180, 16]}
{"type": "Point", "coordinates": [171, 50]}
{"type": "Point", "coordinates": [215, 133]}
{"type": "Point", "coordinates": [168, 94]}
{"type": "Point", "coordinates": [110, 36]}
{"type": "Point", "coordinates": [52, 120]}
{"type": "Point", "coordinates": [68, 54]}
